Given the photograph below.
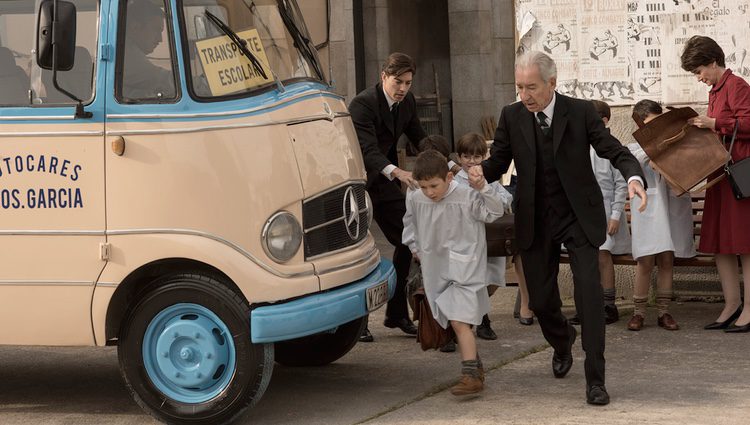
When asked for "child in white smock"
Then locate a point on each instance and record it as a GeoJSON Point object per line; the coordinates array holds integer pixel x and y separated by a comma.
{"type": "Point", "coordinates": [660, 233]}
{"type": "Point", "coordinates": [444, 229]}
{"type": "Point", "coordinates": [471, 150]}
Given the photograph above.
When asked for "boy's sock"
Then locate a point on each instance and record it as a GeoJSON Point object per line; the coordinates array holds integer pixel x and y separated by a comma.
{"type": "Point", "coordinates": [609, 296]}
{"type": "Point", "coordinates": [471, 368]}
{"type": "Point", "coordinates": [662, 302]}
{"type": "Point", "coordinates": [639, 306]}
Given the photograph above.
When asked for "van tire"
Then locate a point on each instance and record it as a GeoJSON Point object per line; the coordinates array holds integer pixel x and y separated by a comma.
{"type": "Point", "coordinates": [322, 348]}
{"type": "Point", "coordinates": [176, 360]}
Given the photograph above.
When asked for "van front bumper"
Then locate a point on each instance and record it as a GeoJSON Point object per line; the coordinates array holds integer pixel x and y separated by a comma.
{"type": "Point", "coordinates": [321, 311]}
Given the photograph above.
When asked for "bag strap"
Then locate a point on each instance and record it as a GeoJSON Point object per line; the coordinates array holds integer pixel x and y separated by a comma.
{"type": "Point", "coordinates": [734, 135]}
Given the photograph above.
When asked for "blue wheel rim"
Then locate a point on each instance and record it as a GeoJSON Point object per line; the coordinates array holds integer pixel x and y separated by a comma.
{"type": "Point", "coordinates": [188, 353]}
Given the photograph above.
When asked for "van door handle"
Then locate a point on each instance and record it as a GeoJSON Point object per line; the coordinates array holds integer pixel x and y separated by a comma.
{"type": "Point", "coordinates": [118, 145]}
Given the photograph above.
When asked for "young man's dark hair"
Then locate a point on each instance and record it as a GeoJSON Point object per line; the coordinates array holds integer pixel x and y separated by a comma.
{"type": "Point", "coordinates": [701, 51]}
{"type": "Point", "coordinates": [602, 109]}
{"type": "Point", "coordinates": [435, 142]}
{"type": "Point", "coordinates": [646, 107]}
{"type": "Point", "coordinates": [399, 63]}
{"type": "Point", "coordinates": [430, 164]}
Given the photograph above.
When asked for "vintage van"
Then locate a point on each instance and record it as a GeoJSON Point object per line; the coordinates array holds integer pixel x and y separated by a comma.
{"type": "Point", "coordinates": [177, 179]}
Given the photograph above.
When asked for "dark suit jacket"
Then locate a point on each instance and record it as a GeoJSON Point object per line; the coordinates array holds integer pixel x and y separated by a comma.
{"type": "Point", "coordinates": [378, 134]}
{"type": "Point", "coordinates": [575, 127]}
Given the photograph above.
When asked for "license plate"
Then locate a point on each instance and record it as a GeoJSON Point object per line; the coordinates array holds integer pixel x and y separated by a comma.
{"type": "Point", "coordinates": [377, 296]}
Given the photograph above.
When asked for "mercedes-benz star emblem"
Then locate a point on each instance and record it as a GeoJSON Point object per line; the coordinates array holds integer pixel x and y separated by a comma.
{"type": "Point", "coordinates": [351, 213]}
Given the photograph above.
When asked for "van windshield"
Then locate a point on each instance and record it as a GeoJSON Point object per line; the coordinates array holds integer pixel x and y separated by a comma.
{"type": "Point", "coordinates": [272, 30]}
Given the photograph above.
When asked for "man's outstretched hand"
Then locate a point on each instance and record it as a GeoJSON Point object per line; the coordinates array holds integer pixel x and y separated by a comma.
{"type": "Point", "coordinates": [636, 188]}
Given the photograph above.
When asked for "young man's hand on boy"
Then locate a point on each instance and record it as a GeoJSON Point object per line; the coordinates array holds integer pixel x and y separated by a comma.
{"type": "Point", "coordinates": [405, 177]}
{"type": "Point", "coordinates": [476, 177]}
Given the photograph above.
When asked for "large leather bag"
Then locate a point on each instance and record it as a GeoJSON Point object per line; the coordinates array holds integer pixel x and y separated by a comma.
{"type": "Point", "coordinates": [682, 153]}
{"type": "Point", "coordinates": [430, 335]}
{"type": "Point", "coordinates": [501, 237]}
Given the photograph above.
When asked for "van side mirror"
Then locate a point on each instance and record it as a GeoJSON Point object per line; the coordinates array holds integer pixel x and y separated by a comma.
{"type": "Point", "coordinates": [62, 35]}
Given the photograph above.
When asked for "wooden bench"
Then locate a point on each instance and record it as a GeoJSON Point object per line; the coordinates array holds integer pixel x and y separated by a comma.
{"type": "Point", "coordinates": [700, 260]}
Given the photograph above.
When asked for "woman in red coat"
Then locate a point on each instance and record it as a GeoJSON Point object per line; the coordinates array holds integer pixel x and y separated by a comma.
{"type": "Point", "coordinates": [725, 231]}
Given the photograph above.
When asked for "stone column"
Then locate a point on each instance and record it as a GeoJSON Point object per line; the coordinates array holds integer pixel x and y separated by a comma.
{"type": "Point", "coordinates": [342, 48]}
{"type": "Point", "coordinates": [472, 76]}
{"type": "Point", "coordinates": [503, 42]}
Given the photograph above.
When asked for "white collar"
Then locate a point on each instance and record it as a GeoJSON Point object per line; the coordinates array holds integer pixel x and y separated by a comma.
{"type": "Point", "coordinates": [550, 109]}
{"type": "Point", "coordinates": [388, 98]}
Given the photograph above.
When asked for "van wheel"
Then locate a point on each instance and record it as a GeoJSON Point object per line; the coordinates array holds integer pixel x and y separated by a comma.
{"type": "Point", "coordinates": [320, 349]}
{"type": "Point", "coordinates": [185, 352]}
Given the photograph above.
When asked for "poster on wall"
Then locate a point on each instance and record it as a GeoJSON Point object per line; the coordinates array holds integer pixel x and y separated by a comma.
{"type": "Point", "coordinates": [622, 51]}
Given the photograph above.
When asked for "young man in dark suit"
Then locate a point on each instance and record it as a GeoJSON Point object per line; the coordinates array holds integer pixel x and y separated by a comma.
{"type": "Point", "coordinates": [558, 201]}
{"type": "Point", "coordinates": [381, 114]}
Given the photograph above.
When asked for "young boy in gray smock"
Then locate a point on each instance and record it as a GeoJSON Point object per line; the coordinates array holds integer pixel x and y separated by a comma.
{"type": "Point", "coordinates": [444, 229]}
{"type": "Point", "coordinates": [472, 149]}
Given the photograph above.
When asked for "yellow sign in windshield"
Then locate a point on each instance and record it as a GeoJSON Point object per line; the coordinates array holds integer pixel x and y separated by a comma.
{"type": "Point", "coordinates": [227, 69]}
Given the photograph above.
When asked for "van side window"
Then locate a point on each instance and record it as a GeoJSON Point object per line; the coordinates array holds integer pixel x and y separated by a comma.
{"type": "Point", "coordinates": [145, 60]}
{"type": "Point", "coordinates": [14, 83]}
{"type": "Point", "coordinates": [22, 81]}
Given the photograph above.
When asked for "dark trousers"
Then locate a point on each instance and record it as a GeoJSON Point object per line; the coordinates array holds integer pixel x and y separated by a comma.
{"type": "Point", "coordinates": [541, 265]}
{"type": "Point", "coordinates": [389, 207]}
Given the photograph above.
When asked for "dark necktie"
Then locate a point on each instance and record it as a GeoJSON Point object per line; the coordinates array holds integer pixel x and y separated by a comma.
{"type": "Point", "coordinates": [394, 113]}
{"type": "Point", "coordinates": [542, 117]}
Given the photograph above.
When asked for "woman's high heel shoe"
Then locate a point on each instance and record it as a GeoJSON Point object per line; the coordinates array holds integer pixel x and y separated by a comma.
{"type": "Point", "coordinates": [725, 324]}
{"type": "Point", "coordinates": [738, 329]}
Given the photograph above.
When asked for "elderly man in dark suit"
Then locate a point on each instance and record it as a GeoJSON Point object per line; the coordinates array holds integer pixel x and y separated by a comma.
{"type": "Point", "coordinates": [381, 114]}
{"type": "Point", "coordinates": [558, 201]}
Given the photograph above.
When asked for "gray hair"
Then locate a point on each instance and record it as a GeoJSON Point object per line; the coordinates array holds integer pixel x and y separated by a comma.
{"type": "Point", "coordinates": [547, 67]}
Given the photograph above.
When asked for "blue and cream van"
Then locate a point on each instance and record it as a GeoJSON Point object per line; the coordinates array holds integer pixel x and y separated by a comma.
{"type": "Point", "coordinates": [177, 179]}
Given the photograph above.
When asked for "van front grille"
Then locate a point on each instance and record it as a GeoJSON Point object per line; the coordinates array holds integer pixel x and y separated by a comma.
{"type": "Point", "coordinates": [335, 220]}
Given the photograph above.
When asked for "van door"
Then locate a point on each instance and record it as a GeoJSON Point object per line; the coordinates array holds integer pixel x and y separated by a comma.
{"type": "Point", "coordinates": [51, 183]}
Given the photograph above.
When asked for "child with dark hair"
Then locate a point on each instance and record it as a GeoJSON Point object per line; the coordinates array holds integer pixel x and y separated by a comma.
{"type": "Point", "coordinates": [660, 233]}
{"type": "Point", "coordinates": [471, 150]}
{"type": "Point", "coordinates": [435, 142]}
{"type": "Point", "coordinates": [454, 261]}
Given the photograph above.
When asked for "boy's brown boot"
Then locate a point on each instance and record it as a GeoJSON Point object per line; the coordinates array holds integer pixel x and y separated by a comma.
{"type": "Point", "coordinates": [467, 385]}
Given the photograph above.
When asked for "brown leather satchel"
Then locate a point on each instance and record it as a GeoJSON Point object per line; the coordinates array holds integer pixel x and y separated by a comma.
{"type": "Point", "coordinates": [682, 153]}
{"type": "Point", "coordinates": [430, 335]}
{"type": "Point", "coordinates": [501, 237]}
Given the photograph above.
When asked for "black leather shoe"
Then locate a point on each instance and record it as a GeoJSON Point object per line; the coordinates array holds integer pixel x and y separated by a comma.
{"type": "Point", "coordinates": [404, 324]}
{"type": "Point", "coordinates": [449, 347]}
{"type": "Point", "coordinates": [526, 321]}
{"type": "Point", "coordinates": [574, 320]}
{"type": "Point", "coordinates": [738, 329]}
{"type": "Point", "coordinates": [611, 315]}
{"type": "Point", "coordinates": [562, 362]}
{"type": "Point", "coordinates": [725, 324]}
{"type": "Point", "coordinates": [597, 395]}
{"type": "Point", "coordinates": [366, 336]}
{"type": "Point", "coordinates": [484, 330]}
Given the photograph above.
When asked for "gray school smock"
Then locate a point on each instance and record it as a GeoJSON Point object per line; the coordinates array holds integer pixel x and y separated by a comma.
{"type": "Point", "coordinates": [449, 238]}
{"type": "Point", "coordinates": [615, 192]}
{"type": "Point", "coordinates": [495, 265]}
{"type": "Point", "coordinates": [667, 222]}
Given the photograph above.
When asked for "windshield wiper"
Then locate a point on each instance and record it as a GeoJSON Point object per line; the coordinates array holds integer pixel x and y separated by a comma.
{"type": "Point", "coordinates": [303, 43]}
{"type": "Point", "coordinates": [242, 45]}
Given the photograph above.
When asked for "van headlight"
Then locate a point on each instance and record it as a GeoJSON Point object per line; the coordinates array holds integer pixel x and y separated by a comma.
{"type": "Point", "coordinates": [368, 204]}
{"type": "Point", "coordinates": [281, 236]}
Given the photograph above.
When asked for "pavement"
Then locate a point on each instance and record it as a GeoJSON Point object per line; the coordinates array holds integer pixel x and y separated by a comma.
{"type": "Point", "coordinates": [689, 376]}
